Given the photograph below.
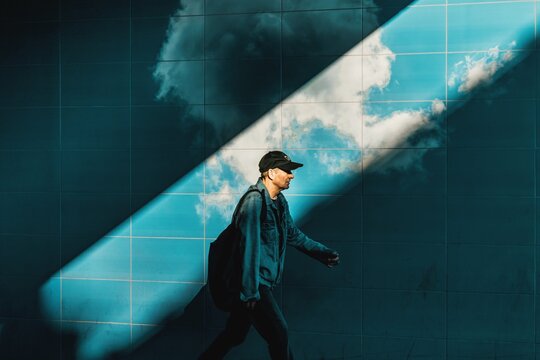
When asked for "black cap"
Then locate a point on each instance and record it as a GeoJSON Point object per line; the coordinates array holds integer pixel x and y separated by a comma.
{"type": "Point", "coordinates": [277, 159]}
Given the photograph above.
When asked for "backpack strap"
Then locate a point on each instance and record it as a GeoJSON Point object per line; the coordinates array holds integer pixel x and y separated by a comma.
{"type": "Point", "coordinates": [241, 202]}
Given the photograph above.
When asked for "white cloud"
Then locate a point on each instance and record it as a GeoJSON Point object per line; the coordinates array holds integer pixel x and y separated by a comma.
{"type": "Point", "coordinates": [479, 69]}
{"type": "Point", "coordinates": [333, 100]}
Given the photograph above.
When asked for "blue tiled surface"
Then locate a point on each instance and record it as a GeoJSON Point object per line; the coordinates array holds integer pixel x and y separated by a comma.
{"type": "Point", "coordinates": [224, 36]}
{"type": "Point", "coordinates": [491, 220]}
{"type": "Point", "coordinates": [490, 316]}
{"type": "Point", "coordinates": [104, 41]}
{"type": "Point", "coordinates": [490, 172]}
{"type": "Point", "coordinates": [95, 84]}
{"type": "Point", "coordinates": [466, 19]}
{"type": "Point", "coordinates": [169, 216]}
{"type": "Point", "coordinates": [95, 128]}
{"type": "Point", "coordinates": [404, 313]}
{"type": "Point", "coordinates": [168, 259]}
{"type": "Point", "coordinates": [104, 301]}
{"type": "Point", "coordinates": [240, 6]}
{"type": "Point", "coordinates": [318, 29]}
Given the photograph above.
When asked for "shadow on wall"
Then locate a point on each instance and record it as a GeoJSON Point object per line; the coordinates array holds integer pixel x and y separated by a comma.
{"type": "Point", "coordinates": [392, 230]}
{"type": "Point", "coordinates": [70, 187]}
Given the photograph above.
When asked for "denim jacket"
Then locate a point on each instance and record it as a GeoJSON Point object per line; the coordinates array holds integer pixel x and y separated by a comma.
{"type": "Point", "coordinates": [263, 243]}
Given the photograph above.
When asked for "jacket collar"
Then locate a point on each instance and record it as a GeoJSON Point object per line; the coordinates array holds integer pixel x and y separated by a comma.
{"type": "Point", "coordinates": [269, 202]}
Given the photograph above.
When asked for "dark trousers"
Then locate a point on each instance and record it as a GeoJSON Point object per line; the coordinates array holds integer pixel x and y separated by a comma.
{"type": "Point", "coordinates": [267, 319]}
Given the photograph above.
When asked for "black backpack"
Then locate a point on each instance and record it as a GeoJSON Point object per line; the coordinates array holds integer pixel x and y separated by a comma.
{"type": "Point", "coordinates": [225, 263]}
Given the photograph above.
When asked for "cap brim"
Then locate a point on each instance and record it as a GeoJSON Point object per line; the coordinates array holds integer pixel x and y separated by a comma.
{"type": "Point", "coordinates": [290, 166]}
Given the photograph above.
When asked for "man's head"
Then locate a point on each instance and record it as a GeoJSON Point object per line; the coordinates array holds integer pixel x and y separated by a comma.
{"type": "Point", "coordinates": [277, 167]}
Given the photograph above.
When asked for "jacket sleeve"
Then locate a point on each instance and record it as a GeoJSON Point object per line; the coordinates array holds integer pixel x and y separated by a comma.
{"type": "Point", "coordinates": [249, 223]}
{"type": "Point", "coordinates": [302, 242]}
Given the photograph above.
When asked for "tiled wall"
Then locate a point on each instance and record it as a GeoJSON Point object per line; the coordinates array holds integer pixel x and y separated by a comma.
{"type": "Point", "coordinates": [126, 137]}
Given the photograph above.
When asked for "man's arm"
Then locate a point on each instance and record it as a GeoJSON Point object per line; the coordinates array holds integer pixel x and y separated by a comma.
{"type": "Point", "coordinates": [249, 225]}
{"type": "Point", "coordinates": [302, 242]}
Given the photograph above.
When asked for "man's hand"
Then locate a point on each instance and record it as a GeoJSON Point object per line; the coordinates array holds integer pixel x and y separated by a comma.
{"type": "Point", "coordinates": [332, 259]}
{"type": "Point", "coordinates": [250, 305]}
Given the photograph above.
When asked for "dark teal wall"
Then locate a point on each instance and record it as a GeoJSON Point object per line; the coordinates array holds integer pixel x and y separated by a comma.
{"type": "Point", "coordinates": [436, 264]}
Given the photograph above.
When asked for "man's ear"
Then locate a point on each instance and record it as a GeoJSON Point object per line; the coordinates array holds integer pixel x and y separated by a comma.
{"type": "Point", "coordinates": [271, 174]}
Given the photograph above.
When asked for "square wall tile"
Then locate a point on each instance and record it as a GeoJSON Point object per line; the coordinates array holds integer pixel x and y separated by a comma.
{"type": "Point", "coordinates": [168, 259]}
{"type": "Point", "coordinates": [405, 172]}
{"type": "Point", "coordinates": [93, 128]}
{"type": "Point", "coordinates": [165, 8]}
{"type": "Point", "coordinates": [474, 27]}
{"type": "Point", "coordinates": [26, 255]}
{"type": "Point", "coordinates": [484, 123]}
{"type": "Point", "coordinates": [31, 10]}
{"type": "Point", "coordinates": [332, 219]}
{"type": "Point", "coordinates": [326, 125]}
{"type": "Point", "coordinates": [380, 348]}
{"type": "Point", "coordinates": [32, 85]}
{"type": "Point", "coordinates": [412, 77]}
{"type": "Point", "coordinates": [404, 313]}
{"type": "Point", "coordinates": [153, 302]}
{"type": "Point", "coordinates": [404, 219]}
{"type": "Point", "coordinates": [320, 309]}
{"type": "Point", "coordinates": [96, 171]}
{"type": "Point", "coordinates": [240, 6]}
{"type": "Point", "coordinates": [496, 269]}
{"type": "Point", "coordinates": [107, 258]}
{"type": "Point", "coordinates": [30, 213]}
{"type": "Point", "coordinates": [242, 36]}
{"type": "Point", "coordinates": [170, 216]}
{"type": "Point", "coordinates": [95, 41]}
{"type": "Point", "coordinates": [95, 300]}
{"type": "Point", "coordinates": [497, 317]}
{"type": "Point", "coordinates": [489, 350]}
{"type": "Point", "coordinates": [94, 9]}
{"type": "Point", "coordinates": [95, 84]}
{"type": "Point", "coordinates": [490, 172]}
{"type": "Point", "coordinates": [155, 170]}
{"type": "Point", "coordinates": [93, 215]}
{"type": "Point", "coordinates": [30, 171]}
{"type": "Point", "coordinates": [34, 43]}
{"type": "Point", "coordinates": [501, 74]}
{"type": "Point", "coordinates": [420, 267]}
{"type": "Point", "coordinates": [242, 81]}
{"type": "Point", "coordinates": [491, 220]}
{"type": "Point", "coordinates": [168, 82]}
{"type": "Point", "coordinates": [320, 4]}
{"type": "Point", "coordinates": [224, 123]}
{"type": "Point", "coordinates": [30, 128]}
{"type": "Point", "coordinates": [168, 38]}
{"type": "Point", "coordinates": [427, 25]}
{"type": "Point", "coordinates": [313, 33]}
{"type": "Point", "coordinates": [174, 127]}
{"type": "Point", "coordinates": [97, 340]}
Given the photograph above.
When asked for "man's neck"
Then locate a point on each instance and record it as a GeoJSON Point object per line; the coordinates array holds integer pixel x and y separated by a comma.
{"type": "Point", "coordinates": [273, 191]}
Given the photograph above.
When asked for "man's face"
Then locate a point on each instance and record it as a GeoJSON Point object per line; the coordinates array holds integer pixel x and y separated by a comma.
{"type": "Point", "coordinates": [281, 178]}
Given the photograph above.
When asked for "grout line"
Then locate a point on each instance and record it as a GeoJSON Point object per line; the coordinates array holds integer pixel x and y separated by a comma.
{"type": "Point", "coordinates": [61, 312]}
{"type": "Point", "coordinates": [362, 209]}
{"type": "Point", "coordinates": [204, 197]}
{"type": "Point", "coordinates": [130, 174]}
{"type": "Point", "coordinates": [137, 281]}
{"type": "Point", "coordinates": [535, 214]}
{"type": "Point", "coordinates": [446, 186]}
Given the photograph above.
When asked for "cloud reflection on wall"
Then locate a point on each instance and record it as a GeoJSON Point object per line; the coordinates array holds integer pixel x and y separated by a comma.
{"type": "Point", "coordinates": [342, 122]}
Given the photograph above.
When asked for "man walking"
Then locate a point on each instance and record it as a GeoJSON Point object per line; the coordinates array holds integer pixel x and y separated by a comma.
{"type": "Point", "coordinates": [262, 250]}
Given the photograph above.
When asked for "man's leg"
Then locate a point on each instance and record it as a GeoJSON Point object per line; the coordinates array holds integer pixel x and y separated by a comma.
{"type": "Point", "coordinates": [234, 334]}
{"type": "Point", "coordinates": [268, 319]}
